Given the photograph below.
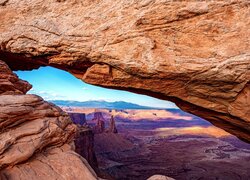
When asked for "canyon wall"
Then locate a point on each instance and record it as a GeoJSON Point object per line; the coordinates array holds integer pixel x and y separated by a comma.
{"type": "Point", "coordinates": [84, 142]}
{"type": "Point", "coordinates": [194, 53]}
{"type": "Point", "coordinates": [84, 139]}
{"type": "Point", "coordinates": [112, 126]}
{"type": "Point", "coordinates": [36, 137]}
{"type": "Point", "coordinates": [78, 118]}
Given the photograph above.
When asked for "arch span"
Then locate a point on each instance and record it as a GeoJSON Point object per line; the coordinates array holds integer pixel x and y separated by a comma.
{"type": "Point", "coordinates": [230, 113]}
{"type": "Point", "coordinates": [195, 54]}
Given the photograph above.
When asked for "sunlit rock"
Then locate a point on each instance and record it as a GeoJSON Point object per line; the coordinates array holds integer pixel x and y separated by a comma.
{"type": "Point", "coordinates": [36, 137]}
{"type": "Point", "coordinates": [194, 53]}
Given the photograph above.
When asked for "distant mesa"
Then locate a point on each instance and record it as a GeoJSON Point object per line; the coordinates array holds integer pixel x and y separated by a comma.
{"type": "Point", "coordinates": [98, 120]}
{"type": "Point", "coordinates": [78, 118]}
{"type": "Point", "coordinates": [112, 126]}
{"type": "Point", "coordinates": [99, 127]}
{"type": "Point", "coordinates": [101, 104]}
{"type": "Point", "coordinates": [98, 116]}
{"type": "Point", "coordinates": [100, 124]}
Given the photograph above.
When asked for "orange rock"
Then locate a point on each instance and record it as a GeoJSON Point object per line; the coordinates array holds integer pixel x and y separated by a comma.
{"type": "Point", "coordinates": [36, 137]}
{"type": "Point", "coordinates": [193, 53]}
{"type": "Point", "coordinates": [10, 84]}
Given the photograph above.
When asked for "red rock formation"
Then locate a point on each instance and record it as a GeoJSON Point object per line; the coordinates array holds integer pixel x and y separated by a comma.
{"type": "Point", "coordinates": [112, 126]}
{"type": "Point", "coordinates": [98, 116]}
{"type": "Point", "coordinates": [100, 127]}
{"type": "Point", "coordinates": [10, 84]}
{"type": "Point", "coordinates": [35, 136]}
{"type": "Point", "coordinates": [100, 123]}
{"type": "Point", "coordinates": [78, 118]}
{"type": "Point", "coordinates": [84, 142]}
{"type": "Point", "coordinates": [194, 53]}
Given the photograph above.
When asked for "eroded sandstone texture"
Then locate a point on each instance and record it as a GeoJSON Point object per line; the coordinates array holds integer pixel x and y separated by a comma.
{"type": "Point", "coordinates": [194, 53]}
{"type": "Point", "coordinates": [35, 136]}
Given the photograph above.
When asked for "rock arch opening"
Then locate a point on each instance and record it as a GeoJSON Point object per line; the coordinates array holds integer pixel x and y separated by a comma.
{"type": "Point", "coordinates": [134, 147]}
{"type": "Point", "coordinates": [224, 103]}
{"type": "Point", "coordinates": [193, 53]}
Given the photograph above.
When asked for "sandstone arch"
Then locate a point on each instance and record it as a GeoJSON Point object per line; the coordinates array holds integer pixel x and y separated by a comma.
{"type": "Point", "coordinates": [194, 53]}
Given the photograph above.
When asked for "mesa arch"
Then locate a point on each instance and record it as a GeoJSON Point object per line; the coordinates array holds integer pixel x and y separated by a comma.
{"type": "Point", "coordinates": [195, 54]}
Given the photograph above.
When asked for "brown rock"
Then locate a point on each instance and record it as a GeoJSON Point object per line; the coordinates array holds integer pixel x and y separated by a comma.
{"type": "Point", "coordinates": [100, 126]}
{"type": "Point", "coordinates": [35, 136]}
{"type": "Point", "coordinates": [10, 84]}
{"type": "Point", "coordinates": [78, 118]}
{"type": "Point", "coordinates": [52, 164]}
{"type": "Point", "coordinates": [100, 123]}
{"type": "Point", "coordinates": [112, 126]}
{"type": "Point", "coordinates": [98, 116]}
{"type": "Point", "coordinates": [84, 142]}
{"type": "Point", "coordinates": [194, 53]}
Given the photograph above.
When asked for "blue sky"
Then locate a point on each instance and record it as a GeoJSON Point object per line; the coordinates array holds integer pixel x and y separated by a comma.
{"type": "Point", "coordinates": [54, 84]}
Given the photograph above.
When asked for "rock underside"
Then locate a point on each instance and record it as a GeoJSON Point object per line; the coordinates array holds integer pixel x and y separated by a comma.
{"type": "Point", "coordinates": [194, 53]}
{"type": "Point", "coordinates": [36, 137]}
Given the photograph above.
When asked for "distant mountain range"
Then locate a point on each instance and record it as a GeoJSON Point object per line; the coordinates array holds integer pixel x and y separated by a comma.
{"type": "Point", "coordinates": [101, 104]}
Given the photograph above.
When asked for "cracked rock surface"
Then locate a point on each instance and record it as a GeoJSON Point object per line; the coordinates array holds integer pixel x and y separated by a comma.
{"type": "Point", "coordinates": [36, 137]}
{"type": "Point", "coordinates": [194, 53]}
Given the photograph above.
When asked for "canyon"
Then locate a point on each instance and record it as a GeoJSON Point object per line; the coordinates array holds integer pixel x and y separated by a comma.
{"type": "Point", "coordinates": [154, 144]}
{"type": "Point", "coordinates": [193, 53]}
{"type": "Point", "coordinates": [117, 144]}
{"type": "Point", "coordinates": [38, 140]}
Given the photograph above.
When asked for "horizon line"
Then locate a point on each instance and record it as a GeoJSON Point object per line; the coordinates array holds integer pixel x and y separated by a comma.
{"type": "Point", "coordinates": [153, 107]}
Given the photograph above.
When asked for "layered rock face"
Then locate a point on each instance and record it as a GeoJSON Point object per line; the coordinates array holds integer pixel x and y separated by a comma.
{"type": "Point", "coordinates": [98, 117]}
{"type": "Point", "coordinates": [112, 126]}
{"type": "Point", "coordinates": [10, 84]}
{"type": "Point", "coordinates": [78, 118]}
{"type": "Point", "coordinates": [84, 142]}
{"type": "Point", "coordinates": [100, 123]}
{"type": "Point", "coordinates": [35, 136]}
{"type": "Point", "coordinates": [84, 139]}
{"type": "Point", "coordinates": [194, 53]}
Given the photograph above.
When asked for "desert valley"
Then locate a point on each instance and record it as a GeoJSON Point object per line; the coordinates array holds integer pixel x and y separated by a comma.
{"type": "Point", "coordinates": [124, 90]}
{"type": "Point", "coordinates": [138, 143]}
